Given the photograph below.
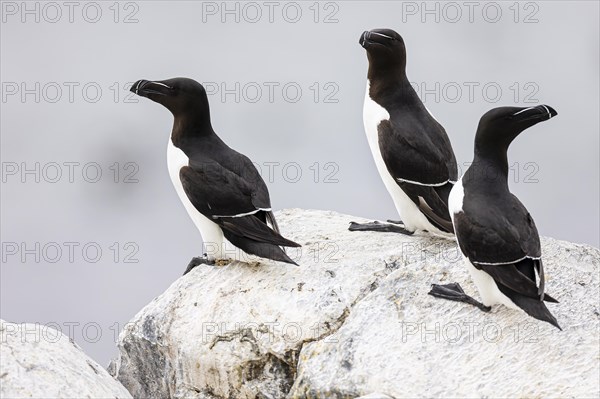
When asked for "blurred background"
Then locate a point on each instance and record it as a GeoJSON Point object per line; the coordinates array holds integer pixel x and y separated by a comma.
{"type": "Point", "coordinates": [92, 228]}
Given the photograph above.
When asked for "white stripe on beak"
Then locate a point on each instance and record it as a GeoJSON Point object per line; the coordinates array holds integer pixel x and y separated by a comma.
{"type": "Point", "coordinates": [548, 111]}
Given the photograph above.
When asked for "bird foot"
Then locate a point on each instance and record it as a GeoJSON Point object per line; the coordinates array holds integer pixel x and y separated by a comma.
{"type": "Point", "coordinates": [396, 221]}
{"type": "Point", "coordinates": [378, 226]}
{"type": "Point", "coordinates": [454, 292]}
{"type": "Point", "coordinates": [196, 261]}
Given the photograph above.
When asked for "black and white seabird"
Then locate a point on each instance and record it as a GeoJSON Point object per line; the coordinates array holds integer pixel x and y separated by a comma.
{"type": "Point", "coordinates": [494, 230]}
{"type": "Point", "coordinates": [220, 188]}
{"type": "Point", "coordinates": [411, 149]}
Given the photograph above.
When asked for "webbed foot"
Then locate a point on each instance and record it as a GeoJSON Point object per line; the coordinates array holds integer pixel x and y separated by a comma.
{"type": "Point", "coordinates": [454, 292]}
{"type": "Point", "coordinates": [378, 226]}
{"type": "Point", "coordinates": [196, 261]}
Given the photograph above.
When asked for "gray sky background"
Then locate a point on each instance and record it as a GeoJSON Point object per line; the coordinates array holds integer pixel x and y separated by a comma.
{"type": "Point", "coordinates": [552, 59]}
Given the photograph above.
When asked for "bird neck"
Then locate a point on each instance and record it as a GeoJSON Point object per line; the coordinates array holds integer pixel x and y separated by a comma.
{"type": "Point", "coordinates": [384, 68]}
{"type": "Point", "coordinates": [490, 168]}
{"type": "Point", "coordinates": [389, 72]}
{"type": "Point", "coordinates": [190, 126]}
{"type": "Point", "coordinates": [393, 90]}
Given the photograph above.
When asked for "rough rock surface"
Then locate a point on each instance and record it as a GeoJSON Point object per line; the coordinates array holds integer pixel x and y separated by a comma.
{"type": "Point", "coordinates": [355, 320]}
{"type": "Point", "coordinates": [37, 361]}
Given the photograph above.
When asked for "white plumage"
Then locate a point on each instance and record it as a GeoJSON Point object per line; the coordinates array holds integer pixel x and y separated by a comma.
{"type": "Point", "coordinates": [212, 235]}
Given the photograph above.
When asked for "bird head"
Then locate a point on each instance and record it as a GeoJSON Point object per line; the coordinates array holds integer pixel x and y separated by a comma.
{"type": "Point", "coordinates": [181, 96]}
{"type": "Point", "coordinates": [385, 49]}
{"type": "Point", "coordinates": [500, 126]}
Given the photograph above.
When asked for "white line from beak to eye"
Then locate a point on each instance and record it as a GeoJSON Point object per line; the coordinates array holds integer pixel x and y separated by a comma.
{"type": "Point", "coordinates": [548, 111]}
{"type": "Point", "coordinates": [381, 34]}
{"type": "Point", "coordinates": [137, 86]}
{"type": "Point", "coordinates": [523, 110]}
{"type": "Point", "coordinates": [161, 84]}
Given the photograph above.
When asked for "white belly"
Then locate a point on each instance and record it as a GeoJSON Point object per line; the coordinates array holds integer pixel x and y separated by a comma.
{"type": "Point", "coordinates": [488, 290]}
{"type": "Point", "coordinates": [214, 245]}
{"type": "Point", "coordinates": [410, 214]}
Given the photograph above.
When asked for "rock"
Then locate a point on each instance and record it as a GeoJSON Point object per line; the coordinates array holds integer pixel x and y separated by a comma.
{"type": "Point", "coordinates": [37, 361]}
{"type": "Point", "coordinates": [355, 320]}
{"type": "Point", "coordinates": [401, 342]}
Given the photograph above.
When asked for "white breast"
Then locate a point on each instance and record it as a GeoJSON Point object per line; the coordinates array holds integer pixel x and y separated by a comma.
{"type": "Point", "coordinates": [488, 289]}
{"type": "Point", "coordinates": [455, 199]}
{"type": "Point", "coordinates": [212, 235]}
{"type": "Point", "coordinates": [373, 115]}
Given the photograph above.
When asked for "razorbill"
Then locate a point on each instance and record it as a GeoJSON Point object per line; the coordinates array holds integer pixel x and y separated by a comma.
{"type": "Point", "coordinates": [412, 152]}
{"type": "Point", "coordinates": [220, 188]}
{"type": "Point", "coordinates": [494, 230]}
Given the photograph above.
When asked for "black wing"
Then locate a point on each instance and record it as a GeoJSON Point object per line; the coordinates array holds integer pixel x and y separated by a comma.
{"type": "Point", "coordinates": [234, 196]}
{"type": "Point", "coordinates": [241, 188]}
{"type": "Point", "coordinates": [234, 206]}
{"type": "Point", "coordinates": [503, 241]}
{"type": "Point", "coordinates": [416, 148]}
{"type": "Point", "coordinates": [499, 231]}
{"type": "Point", "coordinates": [238, 164]}
{"type": "Point", "coordinates": [419, 156]}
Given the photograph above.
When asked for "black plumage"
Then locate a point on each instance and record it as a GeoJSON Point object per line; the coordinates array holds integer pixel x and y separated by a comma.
{"type": "Point", "coordinates": [222, 184]}
{"type": "Point", "coordinates": [415, 148]}
{"type": "Point", "coordinates": [493, 228]}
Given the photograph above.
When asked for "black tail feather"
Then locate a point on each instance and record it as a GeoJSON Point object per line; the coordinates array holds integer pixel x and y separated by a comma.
{"type": "Point", "coordinates": [534, 307]}
{"type": "Point", "coordinates": [548, 298]}
{"type": "Point", "coordinates": [537, 309]}
{"type": "Point", "coordinates": [262, 249]}
{"type": "Point", "coordinates": [252, 235]}
{"type": "Point", "coordinates": [253, 228]}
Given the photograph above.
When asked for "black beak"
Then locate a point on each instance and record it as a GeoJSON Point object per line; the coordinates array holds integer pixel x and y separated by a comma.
{"type": "Point", "coordinates": [145, 87]}
{"type": "Point", "coordinates": [539, 113]}
{"type": "Point", "coordinates": [369, 38]}
{"type": "Point", "coordinates": [363, 39]}
{"type": "Point", "coordinates": [551, 111]}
